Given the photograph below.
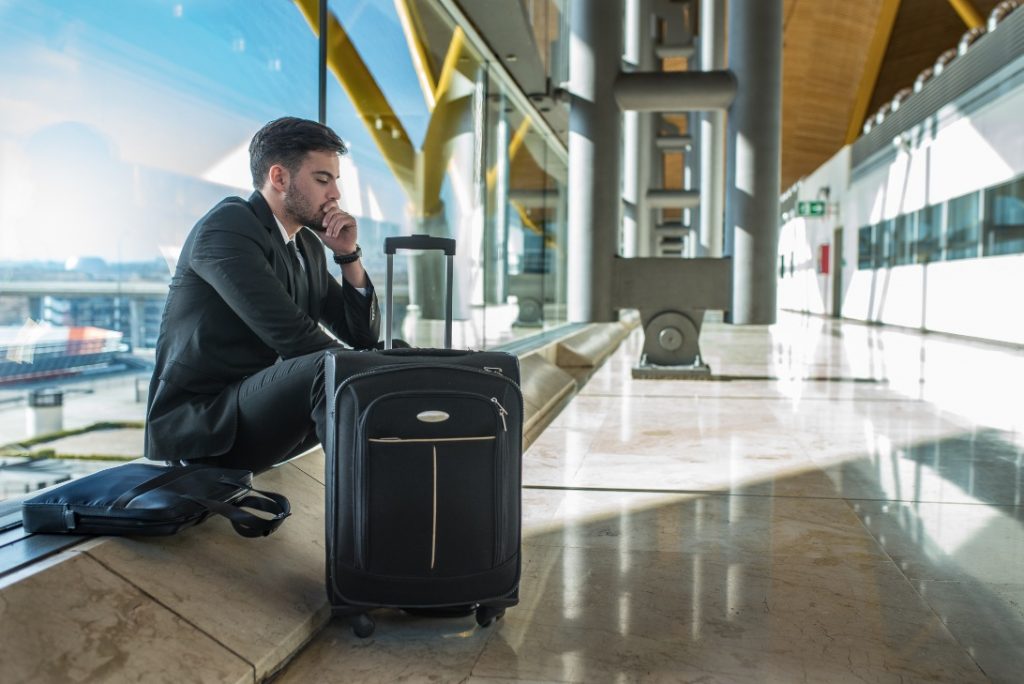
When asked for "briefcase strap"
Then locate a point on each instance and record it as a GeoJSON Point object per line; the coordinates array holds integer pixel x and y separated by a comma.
{"type": "Point", "coordinates": [245, 523]}
{"type": "Point", "coordinates": [169, 475]}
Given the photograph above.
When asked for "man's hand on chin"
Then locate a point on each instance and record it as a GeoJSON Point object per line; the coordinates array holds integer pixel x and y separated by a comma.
{"type": "Point", "coordinates": [340, 230]}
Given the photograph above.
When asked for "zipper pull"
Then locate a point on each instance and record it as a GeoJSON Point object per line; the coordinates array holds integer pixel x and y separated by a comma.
{"type": "Point", "coordinates": [501, 412]}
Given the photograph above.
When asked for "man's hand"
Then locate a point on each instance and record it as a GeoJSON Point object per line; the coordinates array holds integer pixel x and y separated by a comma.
{"type": "Point", "coordinates": [339, 234]}
{"type": "Point", "coordinates": [340, 229]}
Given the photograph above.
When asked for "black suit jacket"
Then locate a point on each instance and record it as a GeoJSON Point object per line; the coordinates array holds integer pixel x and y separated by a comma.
{"type": "Point", "coordinates": [230, 313]}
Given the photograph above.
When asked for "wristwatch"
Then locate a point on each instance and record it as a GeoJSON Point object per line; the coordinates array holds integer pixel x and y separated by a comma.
{"type": "Point", "coordinates": [348, 258]}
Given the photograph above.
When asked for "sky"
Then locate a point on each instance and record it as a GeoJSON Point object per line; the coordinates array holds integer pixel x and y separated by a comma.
{"type": "Point", "coordinates": [122, 122]}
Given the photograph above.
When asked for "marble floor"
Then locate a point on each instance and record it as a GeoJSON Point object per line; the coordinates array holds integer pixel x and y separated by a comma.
{"type": "Point", "coordinates": [843, 504]}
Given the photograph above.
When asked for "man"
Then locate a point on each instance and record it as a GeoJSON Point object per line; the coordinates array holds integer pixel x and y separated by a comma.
{"type": "Point", "coordinates": [239, 360]}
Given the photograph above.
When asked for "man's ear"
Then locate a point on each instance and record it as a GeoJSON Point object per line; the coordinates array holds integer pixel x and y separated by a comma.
{"type": "Point", "coordinates": [277, 177]}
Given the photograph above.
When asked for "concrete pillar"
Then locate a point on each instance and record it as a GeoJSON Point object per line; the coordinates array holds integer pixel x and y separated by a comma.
{"type": "Point", "coordinates": [496, 234]}
{"type": "Point", "coordinates": [712, 134]}
{"type": "Point", "coordinates": [638, 135]}
{"type": "Point", "coordinates": [753, 157]}
{"type": "Point", "coordinates": [595, 150]}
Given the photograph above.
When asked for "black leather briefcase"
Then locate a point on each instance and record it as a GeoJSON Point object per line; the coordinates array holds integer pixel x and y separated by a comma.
{"type": "Point", "coordinates": [150, 499]}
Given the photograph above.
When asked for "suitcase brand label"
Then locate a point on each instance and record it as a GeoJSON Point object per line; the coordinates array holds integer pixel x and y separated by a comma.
{"type": "Point", "coordinates": [432, 416]}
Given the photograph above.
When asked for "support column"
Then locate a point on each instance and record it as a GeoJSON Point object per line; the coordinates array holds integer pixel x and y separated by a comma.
{"type": "Point", "coordinates": [712, 134]}
{"type": "Point", "coordinates": [595, 142]}
{"type": "Point", "coordinates": [638, 135]}
{"type": "Point", "coordinates": [496, 234]}
{"type": "Point", "coordinates": [753, 152]}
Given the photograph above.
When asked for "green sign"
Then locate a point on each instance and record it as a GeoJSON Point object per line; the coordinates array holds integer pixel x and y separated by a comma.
{"type": "Point", "coordinates": [816, 208]}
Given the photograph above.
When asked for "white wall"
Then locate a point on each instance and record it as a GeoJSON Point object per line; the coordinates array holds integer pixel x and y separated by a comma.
{"type": "Point", "coordinates": [952, 156]}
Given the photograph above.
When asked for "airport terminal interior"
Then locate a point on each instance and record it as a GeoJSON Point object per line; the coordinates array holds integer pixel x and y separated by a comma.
{"type": "Point", "coordinates": [758, 260]}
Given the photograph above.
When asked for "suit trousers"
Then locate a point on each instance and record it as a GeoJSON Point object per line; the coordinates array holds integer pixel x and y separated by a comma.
{"type": "Point", "coordinates": [282, 413]}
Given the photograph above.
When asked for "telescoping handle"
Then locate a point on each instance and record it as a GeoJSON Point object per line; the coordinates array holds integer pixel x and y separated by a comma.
{"type": "Point", "coordinates": [421, 242]}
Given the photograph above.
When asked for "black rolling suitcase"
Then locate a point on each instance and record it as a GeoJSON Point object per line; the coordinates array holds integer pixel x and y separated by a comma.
{"type": "Point", "coordinates": [424, 457]}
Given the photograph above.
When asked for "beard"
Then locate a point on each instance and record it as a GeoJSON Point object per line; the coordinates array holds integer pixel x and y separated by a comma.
{"type": "Point", "coordinates": [300, 209]}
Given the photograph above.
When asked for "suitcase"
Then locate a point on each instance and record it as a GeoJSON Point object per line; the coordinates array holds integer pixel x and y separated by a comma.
{"type": "Point", "coordinates": [424, 458]}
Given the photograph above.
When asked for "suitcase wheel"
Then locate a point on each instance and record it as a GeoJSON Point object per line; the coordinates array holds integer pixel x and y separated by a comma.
{"type": "Point", "coordinates": [362, 625]}
{"type": "Point", "coordinates": [487, 615]}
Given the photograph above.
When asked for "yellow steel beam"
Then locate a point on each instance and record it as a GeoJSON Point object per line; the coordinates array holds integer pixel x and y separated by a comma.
{"type": "Point", "coordinates": [366, 96]}
{"type": "Point", "coordinates": [524, 216]}
{"type": "Point", "coordinates": [514, 145]}
{"type": "Point", "coordinates": [412, 28]}
{"type": "Point", "coordinates": [872, 66]}
{"type": "Point", "coordinates": [968, 13]}
{"type": "Point", "coordinates": [451, 104]}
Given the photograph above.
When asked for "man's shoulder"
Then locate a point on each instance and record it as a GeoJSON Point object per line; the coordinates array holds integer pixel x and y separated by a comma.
{"type": "Point", "coordinates": [231, 210]}
{"type": "Point", "coordinates": [232, 215]}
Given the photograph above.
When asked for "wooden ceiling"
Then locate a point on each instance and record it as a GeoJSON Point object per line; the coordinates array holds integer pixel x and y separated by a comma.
{"type": "Point", "coordinates": [843, 60]}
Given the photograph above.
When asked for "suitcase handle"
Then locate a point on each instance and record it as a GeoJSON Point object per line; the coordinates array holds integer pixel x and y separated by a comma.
{"type": "Point", "coordinates": [419, 241]}
{"type": "Point", "coordinates": [419, 351]}
{"type": "Point", "coordinates": [427, 242]}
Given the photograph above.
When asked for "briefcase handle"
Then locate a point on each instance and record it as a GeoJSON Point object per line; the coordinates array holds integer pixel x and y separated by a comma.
{"type": "Point", "coordinates": [245, 523]}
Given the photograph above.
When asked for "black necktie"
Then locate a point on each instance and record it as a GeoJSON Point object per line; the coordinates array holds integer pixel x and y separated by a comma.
{"type": "Point", "coordinates": [301, 289]}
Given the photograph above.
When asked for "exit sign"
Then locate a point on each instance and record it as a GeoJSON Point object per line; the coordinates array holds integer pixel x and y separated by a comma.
{"type": "Point", "coordinates": [816, 208]}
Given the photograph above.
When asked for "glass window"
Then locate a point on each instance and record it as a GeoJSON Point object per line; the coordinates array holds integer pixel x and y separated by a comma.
{"type": "Point", "coordinates": [1004, 218]}
{"type": "Point", "coordinates": [438, 147]}
{"type": "Point", "coordinates": [122, 123]}
{"type": "Point", "coordinates": [882, 256]}
{"type": "Point", "coordinates": [929, 232]}
{"type": "Point", "coordinates": [963, 227]}
{"type": "Point", "coordinates": [903, 238]}
{"type": "Point", "coordinates": [864, 247]}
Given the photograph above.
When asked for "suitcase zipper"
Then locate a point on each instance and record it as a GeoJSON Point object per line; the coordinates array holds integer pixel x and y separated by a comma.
{"type": "Point", "coordinates": [501, 413]}
{"type": "Point", "coordinates": [433, 524]}
{"type": "Point", "coordinates": [399, 440]}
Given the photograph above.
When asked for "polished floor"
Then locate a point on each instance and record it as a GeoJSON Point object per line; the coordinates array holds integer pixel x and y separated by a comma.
{"type": "Point", "coordinates": [843, 505]}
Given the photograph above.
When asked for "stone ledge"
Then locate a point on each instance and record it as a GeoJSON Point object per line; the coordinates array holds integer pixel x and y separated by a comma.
{"type": "Point", "coordinates": [143, 608]}
{"type": "Point", "coordinates": [206, 604]}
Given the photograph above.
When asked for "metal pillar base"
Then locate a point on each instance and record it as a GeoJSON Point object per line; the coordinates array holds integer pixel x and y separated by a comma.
{"type": "Point", "coordinates": [671, 347]}
{"type": "Point", "coordinates": [652, 371]}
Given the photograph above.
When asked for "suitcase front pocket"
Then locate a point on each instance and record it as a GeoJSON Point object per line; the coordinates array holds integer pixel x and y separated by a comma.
{"type": "Point", "coordinates": [431, 506]}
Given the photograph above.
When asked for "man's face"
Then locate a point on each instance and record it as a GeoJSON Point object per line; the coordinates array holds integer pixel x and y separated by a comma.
{"type": "Point", "coordinates": [312, 189]}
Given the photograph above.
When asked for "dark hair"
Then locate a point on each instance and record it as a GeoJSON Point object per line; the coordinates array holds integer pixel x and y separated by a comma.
{"type": "Point", "coordinates": [287, 141]}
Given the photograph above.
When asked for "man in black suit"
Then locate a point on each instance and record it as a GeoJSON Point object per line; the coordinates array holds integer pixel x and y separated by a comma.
{"type": "Point", "coordinates": [239, 360]}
